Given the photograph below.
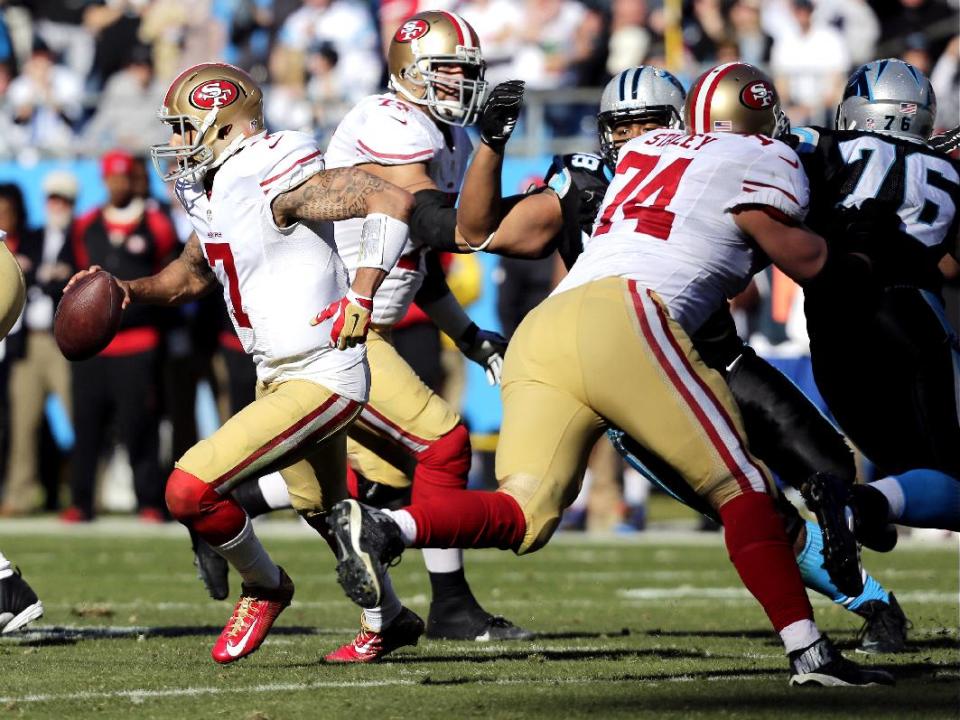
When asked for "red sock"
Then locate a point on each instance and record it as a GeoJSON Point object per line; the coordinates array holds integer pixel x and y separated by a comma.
{"type": "Point", "coordinates": [215, 518]}
{"type": "Point", "coordinates": [352, 489]}
{"type": "Point", "coordinates": [442, 467]}
{"type": "Point", "coordinates": [469, 519]}
{"type": "Point", "coordinates": [759, 549]}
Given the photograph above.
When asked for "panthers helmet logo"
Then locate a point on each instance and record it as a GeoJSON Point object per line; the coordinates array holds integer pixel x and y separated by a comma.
{"type": "Point", "coordinates": [214, 94]}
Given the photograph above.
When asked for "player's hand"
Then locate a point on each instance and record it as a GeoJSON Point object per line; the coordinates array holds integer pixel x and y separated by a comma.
{"type": "Point", "coordinates": [500, 112]}
{"type": "Point", "coordinates": [351, 320]}
{"type": "Point", "coordinates": [946, 142]}
{"type": "Point", "coordinates": [122, 284]}
{"type": "Point", "coordinates": [485, 348]}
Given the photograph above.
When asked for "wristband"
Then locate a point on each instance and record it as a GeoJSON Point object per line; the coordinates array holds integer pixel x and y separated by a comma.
{"type": "Point", "coordinates": [382, 239]}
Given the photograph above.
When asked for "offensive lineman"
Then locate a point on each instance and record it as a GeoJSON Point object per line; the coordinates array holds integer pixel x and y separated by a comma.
{"type": "Point", "coordinates": [611, 347]}
{"type": "Point", "coordinates": [784, 429]}
{"type": "Point", "coordinates": [261, 206]}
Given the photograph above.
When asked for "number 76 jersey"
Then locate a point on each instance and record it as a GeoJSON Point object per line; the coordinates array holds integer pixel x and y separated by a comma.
{"type": "Point", "coordinates": [666, 218]}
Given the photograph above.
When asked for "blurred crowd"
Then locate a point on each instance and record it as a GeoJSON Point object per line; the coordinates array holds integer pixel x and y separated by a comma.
{"type": "Point", "coordinates": [81, 76]}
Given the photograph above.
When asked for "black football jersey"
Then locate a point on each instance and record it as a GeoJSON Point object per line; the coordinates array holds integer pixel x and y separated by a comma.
{"type": "Point", "coordinates": [581, 180]}
{"type": "Point", "coordinates": [919, 184]}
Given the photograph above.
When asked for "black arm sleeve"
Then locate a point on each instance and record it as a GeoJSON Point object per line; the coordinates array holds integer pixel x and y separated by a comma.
{"type": "Point", "coordinates": [434, 220]}
{"type": "Point", "coordinates": [434, 284]}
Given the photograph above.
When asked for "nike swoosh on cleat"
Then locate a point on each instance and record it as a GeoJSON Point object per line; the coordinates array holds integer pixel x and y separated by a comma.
{"type": "Point", "coordinates": [235, 650]}
{"type": "Point", "coordinates": [363, 649]}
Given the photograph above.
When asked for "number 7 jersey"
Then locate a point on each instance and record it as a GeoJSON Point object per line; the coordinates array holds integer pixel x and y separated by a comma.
{"type": "Point", "coordinates": [666, 218]}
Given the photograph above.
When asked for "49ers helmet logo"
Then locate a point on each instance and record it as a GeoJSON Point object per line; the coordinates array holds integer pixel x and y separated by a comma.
{"type": "Point", "coordinates": [758, 95]}
{"type": "Point", "coordinates": [214, 94]}
{"type": "Point", "coordinates": [412, 30]}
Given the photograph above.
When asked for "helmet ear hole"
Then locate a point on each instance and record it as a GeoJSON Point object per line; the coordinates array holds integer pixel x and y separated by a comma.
{"type": "Point", "coordinates": [224, 132]}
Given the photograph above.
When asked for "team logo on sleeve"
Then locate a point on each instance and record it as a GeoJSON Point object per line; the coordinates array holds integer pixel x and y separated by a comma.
{"type": "Point", "coordinates": [758, 95]}
{"type": "Point", "coordinates": [412, 30]}
{"type": "Point", "coordinates": [214, 94]}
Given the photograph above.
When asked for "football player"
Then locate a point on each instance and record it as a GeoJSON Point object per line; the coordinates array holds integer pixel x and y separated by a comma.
{"type": "Point", "coordinates": [784, 429]}
{"type": "Point", "coordinates": [262, 206]}
{"type": "Point", "coordinates": [611, 347]}
{"type": "Point", "coordinates": [884, 355]}
{"type": "Point", "coordinates": [413, 136]}
{"type": "Point", "coordinates": [19, 604]}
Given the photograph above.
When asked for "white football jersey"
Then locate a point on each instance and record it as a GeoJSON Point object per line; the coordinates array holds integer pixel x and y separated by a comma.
{"type": "Point", "coordinates": [665, 220]}
{"type": "Point", "coordinates": [275, 279]}
{"type": "Point", "coordinates": [385, 130]}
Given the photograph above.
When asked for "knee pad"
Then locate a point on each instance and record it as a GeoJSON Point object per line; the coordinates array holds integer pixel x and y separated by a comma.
{"type": "Point", "coordinates": [216, 518]}
{"type": "Point", "coordinates": [443, 465]}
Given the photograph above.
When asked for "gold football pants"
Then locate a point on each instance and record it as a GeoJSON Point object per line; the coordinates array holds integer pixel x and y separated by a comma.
{"type": "Point", "coordinates": [401, 418]}
{"type": "Point", "coordinates": [297, 427]}
{"type": "Point", "coordinates": [608, 353]}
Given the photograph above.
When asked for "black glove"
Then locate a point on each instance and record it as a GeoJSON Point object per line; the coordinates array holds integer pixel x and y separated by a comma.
{"type": "Point", "coordinates": [500, 113]}
{"type": "Point", "coordinates": [946, 142]}
{"type": "Point", "coordinates": [486, 348]}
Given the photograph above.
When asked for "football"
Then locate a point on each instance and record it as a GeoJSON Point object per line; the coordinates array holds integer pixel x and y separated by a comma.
{"type": "Point", "coordinates": [88, 316]}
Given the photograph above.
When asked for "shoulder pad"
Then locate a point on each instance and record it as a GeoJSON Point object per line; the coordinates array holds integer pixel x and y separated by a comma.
{"type": "Point", "coordinates": [803, 139]}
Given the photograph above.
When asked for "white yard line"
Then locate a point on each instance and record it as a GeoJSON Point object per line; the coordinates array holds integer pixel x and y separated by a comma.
{"type": "Point", "coordinates": [140, 694]}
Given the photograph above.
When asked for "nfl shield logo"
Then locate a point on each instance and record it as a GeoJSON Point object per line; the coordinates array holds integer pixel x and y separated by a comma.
{"type": "Point", "coordinates": [871, 124]}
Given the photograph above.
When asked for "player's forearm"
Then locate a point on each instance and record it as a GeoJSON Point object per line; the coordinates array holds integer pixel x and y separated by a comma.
{"type": "Point", "coordinates": [341, 194]}
{"type": "Point", "coordinates": [798, 252]}
{"type": "Point", "coordinates": [174, 285]}
{"type": "Point", "coordinates": [367, 281]}
{"type": "Point", "coordinates": [529, 228]}
{"type": "Point", "coordinates": [479, 212]}
{"type": "Point", "coordinates": [185, 279]}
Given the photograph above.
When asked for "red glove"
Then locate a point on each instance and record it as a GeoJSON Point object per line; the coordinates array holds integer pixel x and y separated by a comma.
{"type": "Point", "coordinates": [351, 320]}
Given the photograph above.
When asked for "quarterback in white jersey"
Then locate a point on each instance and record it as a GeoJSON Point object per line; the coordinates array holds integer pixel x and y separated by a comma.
{"type": "Point", "coordinates": [262, 207]}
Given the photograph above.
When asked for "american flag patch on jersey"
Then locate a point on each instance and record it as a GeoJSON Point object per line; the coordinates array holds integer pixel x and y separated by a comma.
{"type": "Point", "coordinates": [722, 125]}
{"type": "Point", "coordinates": [908, 108]}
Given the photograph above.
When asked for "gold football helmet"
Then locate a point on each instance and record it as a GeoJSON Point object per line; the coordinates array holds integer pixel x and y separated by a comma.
{"type": "Point", "coordinates": [736, 98]}
{"type": "Point", "coordinates": [218, 104]}
{"type": "Point", "coordinates": [13, 290]}
{"type": "Point", "coordinates": [427, 41]}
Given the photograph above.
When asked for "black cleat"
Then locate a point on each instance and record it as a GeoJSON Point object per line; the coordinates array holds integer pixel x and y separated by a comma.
{"type": "Point", "coordinates": [368, 540]}
{"type": "Point", "coordinates": [212, 569]}
{"type": "Point", "coordinates": [19, 604]}
{"type": "Point", "coordinates": [885, 627]}
{"type": "Point", "coordinates": [822, 664]}
{"type": "Point", "coordinates": [827, 496]}
{"type": "Point", "coordinates": [871, 511]}
{"type": "Point", "coordinates": [472, 624]}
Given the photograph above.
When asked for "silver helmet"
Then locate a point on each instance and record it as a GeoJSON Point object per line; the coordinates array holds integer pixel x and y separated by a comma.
{"type": "Point", "coordinates": [643, 93]}
{"type": "Point", "coordinates": [888, 96]}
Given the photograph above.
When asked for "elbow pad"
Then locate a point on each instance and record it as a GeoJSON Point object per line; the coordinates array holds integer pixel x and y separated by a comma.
{"type": "Point", "coordinates": [434, 220]}
{"type": "Point", "coordinates": [382, 240]}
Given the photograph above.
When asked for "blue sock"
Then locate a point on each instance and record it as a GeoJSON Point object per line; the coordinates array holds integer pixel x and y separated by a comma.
{"type": "Point", "coordinates": [927, 499]}
{"type": "Point", "coordinates": [810, 561]}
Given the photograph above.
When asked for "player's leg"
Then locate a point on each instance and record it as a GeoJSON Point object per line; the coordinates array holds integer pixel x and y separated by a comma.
{"type": "Point", "coordinates": [286, 422]}
{"type": "Point", "coordinates": [406, 426]}
{"type": "Point", "coordinates": [901, 403]}
{"type": "Point", "coordinates": [19, 604]}
{"type": "Point", "coordinates": [683, 412]}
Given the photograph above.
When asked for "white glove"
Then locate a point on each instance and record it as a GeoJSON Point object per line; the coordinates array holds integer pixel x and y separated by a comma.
{"type": "Point", "coordinates": [485, 348]}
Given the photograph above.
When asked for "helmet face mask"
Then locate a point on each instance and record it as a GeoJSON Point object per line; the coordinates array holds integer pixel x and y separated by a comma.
{"type": "Point", "coordinates": [889, 97]}
{"type": "Point", "coordinates": [643, 94]}
{"type": "Point", "coordinates": [421, 49]}
{"type": "Point", "coordinates": [211, 108]}
{"type": "Point", "coordinates": [736, 98]}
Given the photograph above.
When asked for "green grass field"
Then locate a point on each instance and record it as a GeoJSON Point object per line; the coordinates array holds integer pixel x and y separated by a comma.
{"type": "Point", "coordinates": [653, 627]}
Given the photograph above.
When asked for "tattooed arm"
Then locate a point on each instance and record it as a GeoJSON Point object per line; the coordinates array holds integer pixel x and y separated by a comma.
{"type": "Point", "coordinates": [340, 194]}
{"type": "Point", "coordinates": [187, 278]}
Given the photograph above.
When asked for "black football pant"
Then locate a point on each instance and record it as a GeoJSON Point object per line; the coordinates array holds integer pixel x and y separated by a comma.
{"type": "Point", "coordinates": [119, 392]}
{"type": "Point", "coordinates": [890, 377]}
